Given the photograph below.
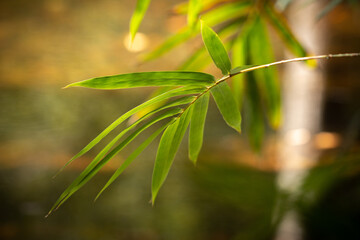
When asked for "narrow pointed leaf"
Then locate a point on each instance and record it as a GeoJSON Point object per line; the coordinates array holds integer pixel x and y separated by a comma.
{"type": "Point", "coordinates": [177, 102]}
{"type": "Point", "coordinates": [200, 58]}
{"type": "Point", "coordinates": [165, 96]}
{"type": "Point", "coordinates": [137, 17]}
{"type": "Point", "coordinates": [215, 48]}
{"type": "Point", "coordinates": [254, 115]}
{"type": "Point", "coordinates": [131, 158]}
{"type": "Point", "coordinates": [227, 106]}
{"type": "Point", "coordinates": [168, 146]}
{"type": "Point", "coordinates": [147, 79]}
{"type": "Point", "coordinates": [94, 167]}
{"type": "Point", "coordinates": [197, 125]}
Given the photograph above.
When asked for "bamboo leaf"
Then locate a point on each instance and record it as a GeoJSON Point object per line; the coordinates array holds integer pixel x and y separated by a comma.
{"type": "Point", "coordinates": [197, 124]}
{"type": "Point", "coordinates": [165, 96]}
{"type": "Point", "coordinates": [227, 106]}
{"type": "Point", "coordinates": [215, 48]}
{"type": "Point", "coordinates": [147, 79]}
{"type": "Point", "coordinates": [254, 116]}
{"type": "Point", "coordinates": [193, 12]}
{"type": "Point", "coordinates": [218, 15]}
{"type": "Point", "coordinates": [137, 17]}
{"type": "Point", "coordinates": [267, 79]}
{"type": "Point", "coordinates": [131, 158]}
{"type": "Point", "coordinates": [177, 102]}
{"type": "Point", "coordinates": [94, 167]}
{"type": "Point", "coordinates": [168, 146]}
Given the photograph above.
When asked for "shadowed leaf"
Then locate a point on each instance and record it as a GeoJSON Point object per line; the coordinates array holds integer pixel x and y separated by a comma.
{"type": "Point", "coordinates": [267, 79]}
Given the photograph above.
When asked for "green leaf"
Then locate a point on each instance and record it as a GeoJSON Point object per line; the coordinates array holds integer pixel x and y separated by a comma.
{"type": "Point", "coordinates": [227, 106]}
{"type": "Point", "coordinates": [94, 166]}
{"type": "Point", "coordinates": [165, 96]}
{"type": "Point", "coordinates": [200, 58]}
{"type": "Point", "coordinates": [267, 79]}
{"type": "Point", "coordinates": [193, 12]}
{"type": "Point", "coordinates": [281, 26]}
{"type": "Point", "coordinates": [216, 16]}
{"type": "Point", "coordinates": [197, 124]}
{"type": "Point", "coordinates": [177, 102]}
{"type": "Point", "coordinates": [147, 79]}
{"type": "Point", "coordinates": [254, 117]}
{"type": "Point", "coordinates": [168, 146]}
{"type": "Point", "coordinates": [137, 17]}
{"type": "Point", "coordinates": [131, 158]}
{"type": "Point", "coordinates": [215, 48]}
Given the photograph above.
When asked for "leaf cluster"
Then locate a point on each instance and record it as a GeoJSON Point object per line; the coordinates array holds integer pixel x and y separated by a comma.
{"type": "Point", "coordinates": [184, 102]}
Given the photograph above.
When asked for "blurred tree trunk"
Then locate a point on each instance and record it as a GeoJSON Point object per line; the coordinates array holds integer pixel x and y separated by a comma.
{"type": "Point", "coordinates": [302, 110]}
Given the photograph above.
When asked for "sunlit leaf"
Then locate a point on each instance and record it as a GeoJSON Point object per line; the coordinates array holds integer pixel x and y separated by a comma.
{"type": "Point", "coordinates": [227, 106]}
{"type": "Point", "coordinates": [131, 158]}
{"type": "Point", "coordinates": [193, 12]}
{"type": "Point", "coordinates": [147, 79]}
{"type": "Point", "coordinates": [239, 58]}
{"type": "Point", "coordinates": [137, 17]}
{"type": "Point", "coordinates": [94, 167]}
{"type": "Point", "coordinates": [168, 146]}
{"type": "Point", "coordinates": [215, 48]}
{"type": "Point", "coordinates": [197, 124]}
{"type": "Point", "coordinates": [165, 96]}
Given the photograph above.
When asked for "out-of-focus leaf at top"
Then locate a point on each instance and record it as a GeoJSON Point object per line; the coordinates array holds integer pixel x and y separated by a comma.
{"type": "Point", "coordinates": [216, 49]}
{"type": "Point", "coordinates": [137, 17]}
{"type": "Point", "coordinates": [220, 14]}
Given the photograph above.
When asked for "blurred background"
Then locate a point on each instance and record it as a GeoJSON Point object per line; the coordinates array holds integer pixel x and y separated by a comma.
{"type": "Point", "coordinates": [304, 184]}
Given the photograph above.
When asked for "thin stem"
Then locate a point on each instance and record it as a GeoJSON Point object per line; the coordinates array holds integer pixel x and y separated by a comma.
{"type": "Point", "coordinates": [294, 60]}
{"type": "Point", "coordinates": [226, 77]}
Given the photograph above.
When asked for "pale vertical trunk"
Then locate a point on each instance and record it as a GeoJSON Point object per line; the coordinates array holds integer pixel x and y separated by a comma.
{"type": "Point", "coordinates": [302, 110]}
